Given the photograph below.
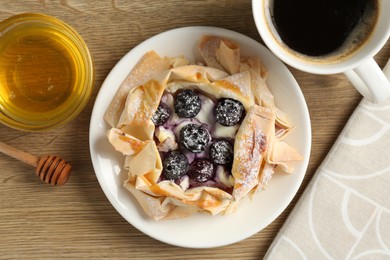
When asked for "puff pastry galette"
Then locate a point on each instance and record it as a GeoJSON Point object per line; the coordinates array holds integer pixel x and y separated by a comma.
{"type": "Point", "coordinates": [198, 137]}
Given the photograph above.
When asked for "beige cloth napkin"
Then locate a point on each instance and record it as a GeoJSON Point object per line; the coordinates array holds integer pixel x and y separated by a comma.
{"type": "Point", "coordinates": [344, 213]}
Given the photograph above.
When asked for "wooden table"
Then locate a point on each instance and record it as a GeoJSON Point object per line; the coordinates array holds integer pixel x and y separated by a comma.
{"type": "Point", "coordinates": [77, 221]}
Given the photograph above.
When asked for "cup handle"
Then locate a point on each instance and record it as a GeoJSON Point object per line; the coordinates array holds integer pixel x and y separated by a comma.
{"type": "Point", "coordinates": [370, 81]}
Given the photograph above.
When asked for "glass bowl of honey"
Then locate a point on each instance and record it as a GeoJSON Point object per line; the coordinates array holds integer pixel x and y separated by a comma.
{"type": "Point", "coordinates": [46, 72]}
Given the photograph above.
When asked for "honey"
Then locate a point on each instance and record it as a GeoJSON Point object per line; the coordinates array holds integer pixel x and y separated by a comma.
{"type": "Point", "coordinates": [42, 72]}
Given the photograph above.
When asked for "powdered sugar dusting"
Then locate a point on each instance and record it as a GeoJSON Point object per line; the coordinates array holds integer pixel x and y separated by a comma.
{"type": "Point", "coordinates": [249, 150]}
{"type": "Point", "coordinates": [240, 82]}
{"type": "Point", "coordinates": [266, 175]}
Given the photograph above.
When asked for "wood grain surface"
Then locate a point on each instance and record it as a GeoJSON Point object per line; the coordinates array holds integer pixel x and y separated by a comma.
{"type": "Point", "coordinates": [39, 221]}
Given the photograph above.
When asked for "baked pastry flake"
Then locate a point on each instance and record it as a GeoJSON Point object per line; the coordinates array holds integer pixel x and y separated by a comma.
{"type": "Point", "coordinates": [198, 137]}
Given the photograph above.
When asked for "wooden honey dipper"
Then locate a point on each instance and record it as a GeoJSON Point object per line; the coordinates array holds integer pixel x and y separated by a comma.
{"type": "Point", "coordinates": [50, 169]}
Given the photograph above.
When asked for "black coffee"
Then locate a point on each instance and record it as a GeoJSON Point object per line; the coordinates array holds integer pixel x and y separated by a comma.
{"type": "Point", "coordinates": [321, 27]}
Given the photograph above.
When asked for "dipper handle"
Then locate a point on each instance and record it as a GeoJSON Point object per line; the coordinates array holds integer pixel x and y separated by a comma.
{"type": "Point", "coordinates": [50, 169]}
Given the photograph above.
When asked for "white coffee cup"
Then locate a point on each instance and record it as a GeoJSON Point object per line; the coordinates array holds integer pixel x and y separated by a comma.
{"type": "Point", "coordinates": [359, 67]}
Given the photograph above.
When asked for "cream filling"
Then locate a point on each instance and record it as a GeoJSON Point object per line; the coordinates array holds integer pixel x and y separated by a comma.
{"type": "Point", "coordinates": [170, 132]}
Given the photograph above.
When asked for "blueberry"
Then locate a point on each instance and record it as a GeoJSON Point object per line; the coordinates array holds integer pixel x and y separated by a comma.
{"type": "Point", "coordinates": [229, 112]}
{"type": "Point", "coordinates": [175, 165]}
{"type": "Point", "coordinates": [194, 137]}
{"type": "Point", "coordinates": [187, 103]}
{"type": "Point", "coordinates": [161, 115]}
{"type": "Point", "coordinates": [221, 152]}
{"type": "Point", "coordinates": [201, 170]}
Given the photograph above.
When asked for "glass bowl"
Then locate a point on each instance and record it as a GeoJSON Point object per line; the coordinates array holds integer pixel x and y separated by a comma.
{"type": "Point", "coordinates": [46, 72]}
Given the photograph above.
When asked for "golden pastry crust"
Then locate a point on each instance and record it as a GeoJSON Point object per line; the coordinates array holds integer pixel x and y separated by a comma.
{"type": "Point", "coordinates": [258, 146]}
{"type": "Point", "coordinates": [253, 140]}
{"type": "Point", "coordinates": [150, 66]}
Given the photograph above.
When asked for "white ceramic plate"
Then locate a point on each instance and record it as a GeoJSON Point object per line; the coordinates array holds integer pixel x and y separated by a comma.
{"type": "Point", "coordinates": [200, 230]}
